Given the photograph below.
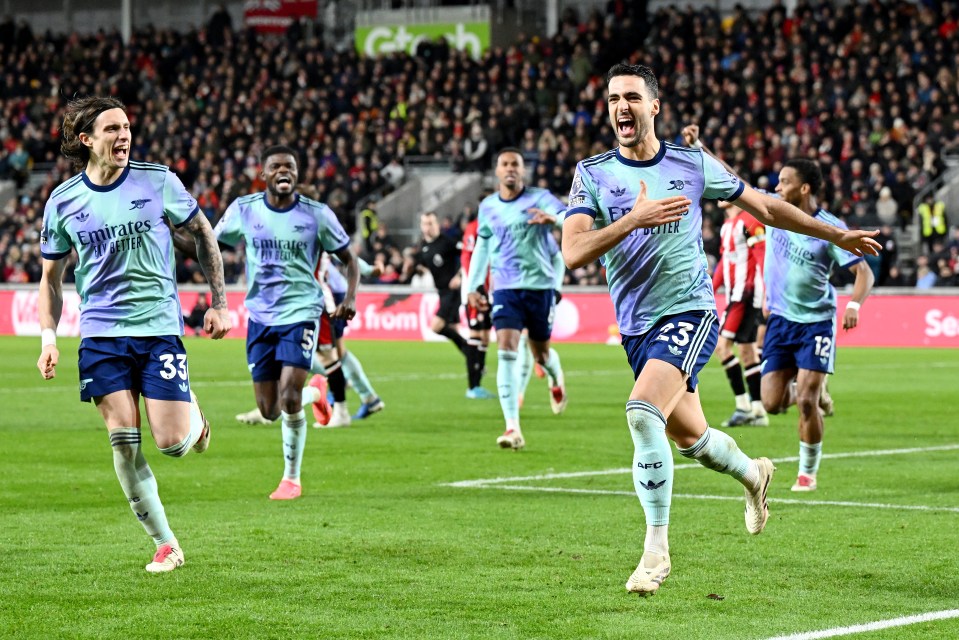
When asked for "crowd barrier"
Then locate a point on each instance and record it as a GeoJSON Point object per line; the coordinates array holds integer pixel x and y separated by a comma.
{"type": "Point", "coordinates": [399, 313]}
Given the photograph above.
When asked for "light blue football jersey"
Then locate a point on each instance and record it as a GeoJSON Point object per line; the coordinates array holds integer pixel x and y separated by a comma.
{"type": "Point", "coordinates": [797, 272]}
{"type": "Point", "coordinates": [521, 254]}
{"type": "Point", "coordinates": [335, 278]}
{"type": "Point", "coordinates": [663, 270]}
{"type": "Point", "coordinates": [283, 248]}
{"type": "Point", "coordinates": [125, 273]}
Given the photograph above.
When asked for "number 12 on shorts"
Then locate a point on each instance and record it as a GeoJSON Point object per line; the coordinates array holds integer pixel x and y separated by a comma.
{"type": "Point", "coordinates": [823, 346]}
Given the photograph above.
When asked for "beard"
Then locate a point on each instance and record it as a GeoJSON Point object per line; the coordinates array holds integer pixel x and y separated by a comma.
{"type": "Point", "coordinates": [642, 130]}
{"type": "Point", "coordinates": [276, 192]}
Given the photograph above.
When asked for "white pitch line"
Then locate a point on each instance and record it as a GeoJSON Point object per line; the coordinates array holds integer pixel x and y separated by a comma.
{"type": "Point", "coordinates": [693, 496]}
{"type": "Point", "coordinates": [485, 482]}
{"type": "Point", "coordinates": [873, 626]}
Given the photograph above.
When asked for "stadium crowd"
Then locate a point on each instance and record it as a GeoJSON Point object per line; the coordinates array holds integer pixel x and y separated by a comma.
{"type": "Point", "coordinates": [868, 89]}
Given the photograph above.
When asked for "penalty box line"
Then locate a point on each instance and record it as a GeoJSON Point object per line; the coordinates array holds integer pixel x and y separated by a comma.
{"type": "Point", "coordinates": [510, 483]}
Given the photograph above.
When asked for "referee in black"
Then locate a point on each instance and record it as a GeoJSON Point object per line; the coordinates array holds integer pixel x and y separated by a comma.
{"type": "Point", "coordinates": [440, 255]}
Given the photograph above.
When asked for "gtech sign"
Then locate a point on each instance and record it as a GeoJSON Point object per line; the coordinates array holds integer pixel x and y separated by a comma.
{"type": "Point", "coordinates": [472, 37]}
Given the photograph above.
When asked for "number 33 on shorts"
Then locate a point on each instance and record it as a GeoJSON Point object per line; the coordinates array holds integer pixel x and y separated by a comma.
{"type": "Point", "coordinates": [171, 370]}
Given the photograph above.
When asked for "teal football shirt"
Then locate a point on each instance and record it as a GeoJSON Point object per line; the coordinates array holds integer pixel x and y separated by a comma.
{"type": "Point", "coordinates": [125, 273]}
{"type": "Point", "coordinates": [283, 248]}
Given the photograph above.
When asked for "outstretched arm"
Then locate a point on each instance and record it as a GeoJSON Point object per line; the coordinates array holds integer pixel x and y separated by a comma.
{"type": "Point", "coordinates": [216, 321]}
{"type": "Point", "coordinates": [50, 308]}
{"type": "Point", "coordinates": [779, 213]}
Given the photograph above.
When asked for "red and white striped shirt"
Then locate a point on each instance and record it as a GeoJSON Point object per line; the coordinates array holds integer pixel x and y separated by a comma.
{"type": "Point", "coordinates": [466, 254]}
{"type": "Point", "coordinates": [742, 251]}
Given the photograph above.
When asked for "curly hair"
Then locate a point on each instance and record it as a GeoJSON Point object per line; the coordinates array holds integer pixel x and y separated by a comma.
{"type": "Point", "coordinates": [808, 172]}
{"type": "Point", "coordinates": [79, 118]}
{"type": "Point", "coordinates": [279, 149]}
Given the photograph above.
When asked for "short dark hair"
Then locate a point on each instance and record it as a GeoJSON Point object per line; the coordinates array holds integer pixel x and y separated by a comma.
{"type": "Point", "coordinates": [276, 150]}
{"type": "Point", "coordinates": [638, 70]}
{"type": "Point", "coordinates": [79, 118]}
{"type": "Point", "coordinates": [808, 172]}
{"type": "Point", "coordinates": [515, 150]}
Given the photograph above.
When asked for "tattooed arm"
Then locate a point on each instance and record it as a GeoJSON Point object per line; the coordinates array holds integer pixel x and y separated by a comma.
{"type": "Point", "coordinates": [217, 321]}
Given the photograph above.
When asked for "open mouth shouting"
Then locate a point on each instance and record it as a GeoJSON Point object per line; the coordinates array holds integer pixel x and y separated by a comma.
{"type": "Point", "coordinates": [284, 183]}
{"type": "Point", "coordinates": [121, 153]}
{"type": "Point", "coordinates": [625, 125]}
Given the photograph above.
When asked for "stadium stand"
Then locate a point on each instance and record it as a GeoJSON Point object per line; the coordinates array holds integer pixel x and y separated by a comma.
{"type": "Point", "coordinates": [867, 89]}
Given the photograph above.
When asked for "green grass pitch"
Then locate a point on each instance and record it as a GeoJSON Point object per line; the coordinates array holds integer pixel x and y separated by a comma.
{"type": "Point", "coordinates": [382, 546]}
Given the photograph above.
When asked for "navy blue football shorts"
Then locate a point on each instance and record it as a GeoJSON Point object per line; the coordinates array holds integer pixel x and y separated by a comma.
{"type": "Point", "coordinates": [530, 309]}
{"type": "Point", "coordinates": [153, 366]}
{"type": "Point", "coordinates": [685, 340]}
{"type": "Point", "coordinates": [269, 349]}
{"type": "Point", "coordinates": [799, 345]}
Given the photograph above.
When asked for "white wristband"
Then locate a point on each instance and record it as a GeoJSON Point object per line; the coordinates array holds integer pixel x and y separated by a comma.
{"type": "Point", "coordinates": [852, 304]}
{"type": "Point", "coordinates": [48, 336]}
{"type": "Point", "coordinates": [698, 144]}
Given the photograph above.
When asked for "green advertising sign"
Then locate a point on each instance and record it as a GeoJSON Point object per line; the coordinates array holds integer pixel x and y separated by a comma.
{"type": "Point", "coordinates": [473, 37]}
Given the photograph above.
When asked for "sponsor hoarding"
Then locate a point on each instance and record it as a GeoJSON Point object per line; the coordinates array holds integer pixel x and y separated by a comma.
{"type": "Point", "coordinates": [276, 16]}
{"type": "Point", "coordinates": [472, 37]}
{"type": "Point", "coordinates": [885, 321]}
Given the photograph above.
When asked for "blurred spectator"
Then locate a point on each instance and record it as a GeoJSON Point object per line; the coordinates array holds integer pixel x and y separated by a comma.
{"type": "Point", "coordinates": [369, 223]}
{"type": "Point", "coordinates": [925, 277]}
{"type": "Point", "coordinates": [19, 163]}
{"type": "Point", "coordinates": [888, 257]}
{"type": "Point", "coordinates": [194, 321]}
{"type": "Point", "coordinates": [947, 277]}
{"type": "Point", "coordinates": [895, 278]}
{"type": "Point", "coordinates": [476, 149]}
{"type": "Point", "coordinates": [932, 218]}
{"type": "Point", "coordinates": [394, 173]}
{"type": "Point", "coordinates": [887, 209]}
{"type": "Point", "coordinates": [382, 242]}
{"type": "Point", "coordinates": [219, 27]}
